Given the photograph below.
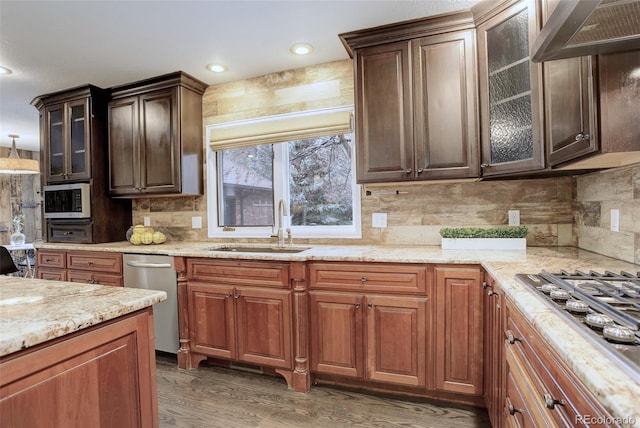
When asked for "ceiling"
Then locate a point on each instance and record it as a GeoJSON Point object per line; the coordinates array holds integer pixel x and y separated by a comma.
{"type": "Point", "coordinates": [55, 45]}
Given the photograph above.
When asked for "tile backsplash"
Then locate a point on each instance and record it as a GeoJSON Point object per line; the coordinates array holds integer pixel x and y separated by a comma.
{"type": "Point", "coordinates": [596, 194]}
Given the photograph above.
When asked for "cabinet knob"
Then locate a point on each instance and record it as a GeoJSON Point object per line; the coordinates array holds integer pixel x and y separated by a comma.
{"type": "Point", "coordinates": [89, 263]}
{"type": "Point", "coordinates": [420, 170]}
{"type": "Point", "coordinates": [551, 402]}
{"type": "Point", "coordinates": [491, 293]}
{"type": "Point", "coordinates": [408, 171]}
{"type": "Point", "coordinates": [369, 305]}
{"type": "Point", "coordinates": [236, 295]}
{"type": "Point", "coordinates": [582, 137]}
{"type": "Point", "coordinates": [363, 279]}
{"type": "Point", "coordinates": [357, 305]}
{"type": "Point", "coordinates": [227, 295]}
{"type": "Point", "coordinates": [485, 284]}
{"type": "Point", "coordinates": [512, 338]}
{"type": "Point", "coordinates": [484, 165]}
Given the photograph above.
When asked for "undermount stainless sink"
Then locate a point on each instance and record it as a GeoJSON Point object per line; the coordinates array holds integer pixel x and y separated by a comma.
{"type": "Point", "coordinates": [257, 249]}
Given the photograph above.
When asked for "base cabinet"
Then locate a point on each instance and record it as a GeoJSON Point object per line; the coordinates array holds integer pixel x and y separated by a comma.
{"type": "Point", "coordinates": [359, 332]}
{"type": "Point", "coordinates": [540, 390]}
{"type": "Point", "coordinates": [92, 267]}
{"type": "Point", "coordinates": [102, 377]}
{"type": "Point", "coordinates": [493, 350]}
{"type": "Point", "coordinates": [458, 329]}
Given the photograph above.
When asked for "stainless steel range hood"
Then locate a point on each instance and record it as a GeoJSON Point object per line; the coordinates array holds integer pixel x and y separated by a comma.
{"type": "Point", "coordinates": [589, 27]}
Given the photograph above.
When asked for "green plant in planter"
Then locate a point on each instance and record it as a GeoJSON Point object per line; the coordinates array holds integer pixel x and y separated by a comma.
{"type": "Point", "coordinates": [476, 232]}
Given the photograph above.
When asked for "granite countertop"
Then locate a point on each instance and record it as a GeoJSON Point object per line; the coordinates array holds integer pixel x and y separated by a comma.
{"type": "Point", "coordinates": [614, 388]}
{"type": "Point", "coordinates": [33, 311]}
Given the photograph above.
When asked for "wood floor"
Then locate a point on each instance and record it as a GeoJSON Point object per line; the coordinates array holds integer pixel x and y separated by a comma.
{"type": "Point", "coordinates": [212, 397]}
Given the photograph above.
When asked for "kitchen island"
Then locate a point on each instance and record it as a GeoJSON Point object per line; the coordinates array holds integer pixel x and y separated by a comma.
{"type": "Point", "coordinates": [76, 354]}
{"type": "Point", "coordinates": [611, 386]}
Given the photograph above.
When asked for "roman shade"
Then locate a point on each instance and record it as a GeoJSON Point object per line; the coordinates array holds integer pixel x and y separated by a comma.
{"type": "Point", "coordinates": [280, 128]}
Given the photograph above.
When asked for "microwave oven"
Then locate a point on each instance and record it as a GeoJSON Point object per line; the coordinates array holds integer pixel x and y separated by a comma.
{"type": "Point", "coordinates": [67, 201]}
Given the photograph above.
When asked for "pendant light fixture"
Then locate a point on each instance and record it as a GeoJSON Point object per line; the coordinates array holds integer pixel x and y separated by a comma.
{"type": "Point", "coordinates": [14, 165]}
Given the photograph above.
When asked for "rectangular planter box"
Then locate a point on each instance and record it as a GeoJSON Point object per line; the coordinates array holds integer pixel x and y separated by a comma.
{"type": "Point", "coordinates": [484, 243]}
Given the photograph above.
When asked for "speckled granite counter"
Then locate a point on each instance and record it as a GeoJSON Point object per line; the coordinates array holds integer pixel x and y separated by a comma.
{"type": "Point", "coordinates": [33, 311]}
{"type": "Point", "coordinates": [616, 390]}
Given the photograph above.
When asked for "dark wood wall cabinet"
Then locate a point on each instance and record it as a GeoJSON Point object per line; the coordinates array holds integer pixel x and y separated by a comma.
{"type": "Point", "coordinates": [416, 102]}
{"type": "Point", "coordinates": [156, 137]}
{"type": "Point", "coordinates": [73, 150]}
{"type": "Point", "coordinates": [457, 96]}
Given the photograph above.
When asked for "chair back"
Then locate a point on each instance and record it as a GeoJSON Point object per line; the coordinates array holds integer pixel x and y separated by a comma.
{"type": "Point", "coordinates": [6, 262]}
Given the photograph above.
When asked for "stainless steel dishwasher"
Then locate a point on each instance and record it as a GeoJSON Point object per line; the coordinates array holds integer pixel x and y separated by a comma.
{"type": "Point", "coordinates": [156, 272]}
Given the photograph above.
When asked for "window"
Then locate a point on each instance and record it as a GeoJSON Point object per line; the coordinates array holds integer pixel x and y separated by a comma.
{"type": "Point", "coordinates": [311, 168]}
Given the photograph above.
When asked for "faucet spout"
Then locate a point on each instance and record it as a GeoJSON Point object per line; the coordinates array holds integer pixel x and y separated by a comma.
{"type": "Point", "coordinates": [282, 211]}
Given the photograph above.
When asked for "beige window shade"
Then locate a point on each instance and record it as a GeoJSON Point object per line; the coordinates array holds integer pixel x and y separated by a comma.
{"type": "Point", "coordinates": [277, 129]}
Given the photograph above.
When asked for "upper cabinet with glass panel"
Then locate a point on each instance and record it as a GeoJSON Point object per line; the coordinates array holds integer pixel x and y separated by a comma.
{"type": "Point", "coordinates": [510, 92]}
{"type": "Point", "coordinates": [68, 132]}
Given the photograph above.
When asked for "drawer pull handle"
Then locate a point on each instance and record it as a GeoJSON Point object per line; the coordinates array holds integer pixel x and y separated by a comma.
{"type": "Point", "coordinates": [357, 305]}
{"type": "Point", "coordinates": [512, 338]}
{"type": "Point", "coordinates": [551, 402]}
{"type": "Point", "coordinates": [89, 263]}
{"type": "Point", "coordinates": [491, 293]}
{"type": "Point", "coordinates": [512, 410]}
{"type": "Point", "coordinates": [582, 137]}
{"type": "Point", "coordinates": [485, 284]}
{"type": "Point", "coordinates": [363, 279]}
{"type": "Point", "coordinates": [48, 260]}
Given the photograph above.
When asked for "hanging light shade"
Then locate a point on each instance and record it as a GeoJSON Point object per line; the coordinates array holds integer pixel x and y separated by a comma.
{"type": "Point", "coordinates": [14, 165]}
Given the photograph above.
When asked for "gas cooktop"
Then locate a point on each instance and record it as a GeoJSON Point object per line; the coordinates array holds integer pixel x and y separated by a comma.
{"type": "Point", "coordinates": [605, 308]}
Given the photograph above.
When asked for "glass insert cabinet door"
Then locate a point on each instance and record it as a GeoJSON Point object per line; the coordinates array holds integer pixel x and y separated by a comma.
{"type": "Point", "coordinates": [68, 141]}
{"type": "Point", "coordinates": [510, 92]}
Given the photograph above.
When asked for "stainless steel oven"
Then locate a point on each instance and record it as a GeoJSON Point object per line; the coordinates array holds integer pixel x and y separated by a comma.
{"type": "Point", "coordinates": [67, 201]}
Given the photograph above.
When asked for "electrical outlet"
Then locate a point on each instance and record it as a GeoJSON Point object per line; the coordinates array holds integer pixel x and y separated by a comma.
{"type": "Point", "coordinates": [196, 222]}
{"type": "Point", "coordinates": [379, 219]}
{"type": "Point", "coordinates": [514, 217]}
{"type": "Point", "coordinates": [615, 220]}
{"type": "Point", "coordinates": [147, 221]}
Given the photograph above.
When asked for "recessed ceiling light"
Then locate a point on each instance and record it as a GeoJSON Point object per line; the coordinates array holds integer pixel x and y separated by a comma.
{"type": "Point", "coordinates": [4, 70]}
{"type": "Point", "coordinates": [216, 68]}
{"type": "Point", "coordinates": [301, 49]}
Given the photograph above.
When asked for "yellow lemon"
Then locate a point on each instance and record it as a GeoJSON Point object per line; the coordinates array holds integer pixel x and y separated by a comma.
{"type": "Point", "coordinates": [138, 228]}
{"type": "Point", "coordinates": [159, 238]}
{"type": "Point", "coordinates": [147, 238]}
{"type": "Point", "coordinates": [149, 229]}
{"type": "Point", "coordinates": [136, 239]}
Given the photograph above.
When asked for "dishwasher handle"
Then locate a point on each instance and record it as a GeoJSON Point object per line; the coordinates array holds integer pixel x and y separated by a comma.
{"type": "Point", "coordinates": [148, 265]}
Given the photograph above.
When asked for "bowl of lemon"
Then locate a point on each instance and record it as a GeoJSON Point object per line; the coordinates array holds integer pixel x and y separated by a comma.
{"type": "Point", "coordinates": [145, 235]}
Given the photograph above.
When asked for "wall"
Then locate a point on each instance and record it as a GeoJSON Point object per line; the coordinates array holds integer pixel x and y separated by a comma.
{"type": "Point", "coordinates": [595, 195]}
{"type": "Point", "coordinates": [415, 215]}
{"type": "Point", "coordinates": [20, 194]}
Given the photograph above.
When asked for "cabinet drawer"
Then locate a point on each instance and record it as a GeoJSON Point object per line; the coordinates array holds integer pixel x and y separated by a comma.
{"type": "Point", "coordinates": [255, 274]}
{"type": "Point", "coordinates": [94, 278]}
{"type": "Point", "coordinates": [80, 232]}
{"type": "Point", "coordinates": [95, 261]}
{"type": "Point", "coordinates": [52, 274]}
{"type": "Point", "coordinates": [400, 278]}
{"type": "Point", "coordinates": [50, 259]}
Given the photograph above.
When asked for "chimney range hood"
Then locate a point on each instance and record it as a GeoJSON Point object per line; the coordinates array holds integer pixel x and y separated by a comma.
{"type": "Point", "coordinates": [589, 27]}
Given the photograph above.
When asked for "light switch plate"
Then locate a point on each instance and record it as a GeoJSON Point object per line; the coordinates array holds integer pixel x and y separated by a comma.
{"type": "Point", "coordinates": [147, 221]}
{"type": "Point", "coordinates": [615, 220]}
{"type": "Point", "coordinates": [196, 222]}
{"type": "Point", "coordinates": [379, 219]}
{"type": "Point", "coordinates": [514, 217]}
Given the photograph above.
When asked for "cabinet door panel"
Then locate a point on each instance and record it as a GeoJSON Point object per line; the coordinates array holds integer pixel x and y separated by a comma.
{"type": "Point", "coordinates": [459, 330]}
{"type": "Point", "coordinates": [211, 320]}
{"type": "Point", "coordinates": [394, 357]}
{"type": "Point", "coordinates": [55, 134]}
{"type": "Point", "coordinates": [337, 333]}
{"type": "Point", "coordinates": [264, 326]}
{"type": "Point", "coordinates": [159, 129]}
{"type": "Point", "coordinates": [51, 274]}
{"type": "Point", "coordinates": [123, 146]}
{"type": "Point", "coordinates": [79, 136]}
{"type": "Point", "coordinates": [384, 115]}
{"type": "Point", "coordinates": [445, 106]}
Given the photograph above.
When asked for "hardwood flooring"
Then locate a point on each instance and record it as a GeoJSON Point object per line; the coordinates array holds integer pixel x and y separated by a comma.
{"type": "Point", "coordinates": [211, 397]}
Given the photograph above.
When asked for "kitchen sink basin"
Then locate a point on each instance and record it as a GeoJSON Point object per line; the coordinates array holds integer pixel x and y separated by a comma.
{"type": "Point", "coordinates": [258, 249]}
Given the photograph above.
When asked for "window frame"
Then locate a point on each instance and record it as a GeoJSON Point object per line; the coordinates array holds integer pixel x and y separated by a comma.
{"type": "Point", "coordinates": [280, 190]}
